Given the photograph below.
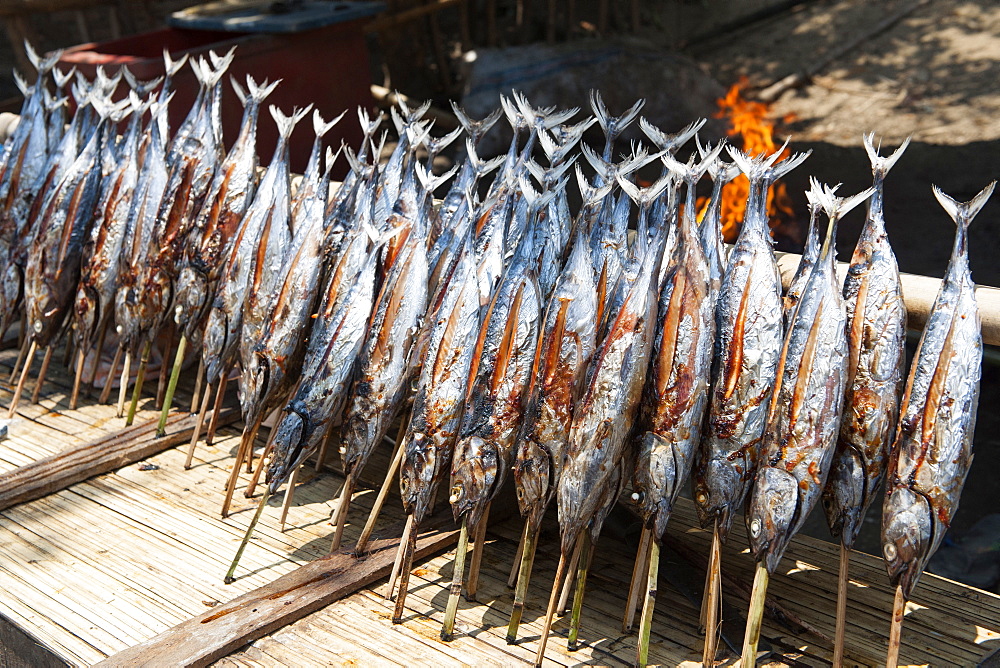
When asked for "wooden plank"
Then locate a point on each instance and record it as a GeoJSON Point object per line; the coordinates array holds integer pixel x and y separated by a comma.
{"type": "Point", "coordinates": [212, 635]}
{"type": "Point", "coordinates": [81, 462]}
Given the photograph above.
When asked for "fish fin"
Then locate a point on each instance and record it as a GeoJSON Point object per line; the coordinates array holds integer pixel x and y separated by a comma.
{"type": "Point", "coordinates": [437, 144]}
{"type": "Point", "coordinates": [22, 83]}
{"type": "Point", "coordinates": [514, 117]}
{"type": "Point", "coordinates": [670, 142]}
{"type": "Point", "coordinates": [963, 212]}
{"type": "Point", "coordinates": [221, 63]}
{"type": "Point", "coordinates": [258, 92]}
{"type": "Point", "coordinates": [613, 126]}
{"type": "Point", "coordinates": [427, 179]}
{"type": "Point", "coordinates": [331, 157]}
{"type": "Point", "coordinates": [880, 165]}
{"type": "Point", "coordinates": [836, 207]}
{"type": "Point", "coordinates": [397, 121]}
{"type": "Point", "coordinates": [605, 169]}
{"type": "Point", "coordinates": [415, 114]}
{"type": "Point", "coordinates": [171, 66]}
{"type": "Point", "coordinates": [62, 78]}
{"type": "Point", "coordinates": [419, 132]}
{"type": "Point", "coordinates": [588, 192]}
{"type": "Point", "coordinates": [81, 94]}
{"type": "Point", "coordinates": [786, 165]}
{"type": "Point", "coordinates": [644, 195]}
{"type": "Point", "coordinates": [320, 127]}
{"type": "Point", "coordinates": [238, 89]}
{"type": "Point", "coordinates": [43, 65]}
{"type": "Point", "coordinates": [286, 124]}
{"type": "Point", "coordinates": [556, 149]}
{"type": "Point", "coordinates": [475, 129]}
{"type": "Point", "coordinates": [368, 125]}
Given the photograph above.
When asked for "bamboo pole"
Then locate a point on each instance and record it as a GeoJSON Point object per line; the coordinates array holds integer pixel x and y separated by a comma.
{"type": "Point", "coordinates": [37, 393]}
{"type": "Point", "coordinates": [246, 443]}
{"type": "Point", "coordinates": [220, 397]}
{"type": "Point", "coordinates": [896, 628]}
{"type": "Point", "coordinates": [123, 384]}
{"type": "Point", "coordinates": [289, 495]}
{"type": "Point", "coordinates": [838, 639]}
{"type": "Point", "coordinates": [567, 585]}
{"type": "Point", "coordinates": [646, 621]}
{"type": "Point", "coordinates": [581, 585]}
{"type": "Point", "coordinates": [20, 381]}
{"type": "Point", "coordinates": [472, 586]}
{"type": "Point", "coordinates": [98, 349]}
{"type": "Point", "coordinates": [515, 567]}
{"type": "Point", "coordinates": [246, 537]}
{"type": "Point", "coordinates": [268, 446]}
{"type": "Point", "coordinates": [383, 491]}
{"type": "Point", "coordinates": [755, 615]}
{"type": "Point", "coordinates": [527, 557]}
{"type": "Point", "coordinates": [398, 561]}
{"type": "Point", "coordinates": [77, 379]}
{"type": "Point", "coordinates": [638, 576]}
{"type": "Point", "coordinates": [198, 381]}
{"type": "Point", "coordinates": [106, 390]}
{"type": "Point", "coordinates": [711, 604]}
{"type": "Point", "coordinates": [410, 541]}
{"type": "Point", "coordinates": [20, 359]}
{"type": "Point", "coordinates": [550, 611]}
{"type": "Point", "coordinates": [343, 508]}
{"type": "Point", "coordinates": [168, 399]}
{"type": "Point", "coordinates": [139, 380]}
{"type": "Point", "coordinates": [161, 385]}
{"type": "Point", "coordinates": [197, 426]}
{"type": "Point", "coordinates": [455, 592]}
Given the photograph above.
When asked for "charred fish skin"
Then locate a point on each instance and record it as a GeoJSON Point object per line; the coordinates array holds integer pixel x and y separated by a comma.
{"type": "Point", "coordinates": [749, 334]}
{"type": "Point", "coordinates": [565, 348]}
{"type": "Point", "coordinates": [603, 418]}
{"type": "Point", "coordinates": [676, 389]}
{"type": "Point", "coordinates": [876, 325]}
{"type": "Point", "coordinates": [804, 416]}
{"type": "Point", "coordinates": [810, 254]}
{"type": "Point", "coordinates": [933, 448]}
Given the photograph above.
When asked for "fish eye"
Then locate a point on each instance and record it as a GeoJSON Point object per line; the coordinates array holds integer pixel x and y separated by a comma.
{"type": "Point", "coordinates": [755, 528]}
{"type": "Point", "coordinates": [889, 550]}
{"type": "Point", "coordinates": [702, 498]}
{"type": "Point", "coordinates": [638, 496]}
{"type": "Point", "coordinates": [456, 494]}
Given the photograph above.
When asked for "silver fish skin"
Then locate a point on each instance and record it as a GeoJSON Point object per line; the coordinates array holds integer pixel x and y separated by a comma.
{"type": "Point", "coordinates": [710, 229]}
{"type": "Point", "coordinates": [497, 389]}
{"type": "Point", "coordinates": [605, 413]}
{"type": "Point", "coordinates": [53, 268]}
{"type": "Point", "coordinates": [810, 254]}
{"type": "Point", "coordinates": [750, 332]}
{"type": "Point", "coordinates": [565, 348]}
{"type": "Point", "coordinates": [387, 361]}
{"type": "Point", "coordinates": [210, 238]}
{"type": "Point", "coordinates": [335, 341]}
{"type": "Point", "coordinates": [804, 416]}
{"type": "Point", "coordinates": [441, 388]}
{"type": "Point", "coordinates": [876, 326]}
{"type": "Point", "coordinates": [676, 389]}
{"type": "Point", "coordinates": [933, 448]}
{"type": "Point", "coordinates": [224, 325]}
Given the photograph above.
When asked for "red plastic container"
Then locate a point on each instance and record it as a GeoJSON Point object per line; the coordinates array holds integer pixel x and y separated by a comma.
{"type": "Point", "coordinates": [327, 67]}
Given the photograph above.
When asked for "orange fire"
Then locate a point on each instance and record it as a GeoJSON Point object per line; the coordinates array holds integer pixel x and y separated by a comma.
{"type": "Point", "coordinates": [748, 120]}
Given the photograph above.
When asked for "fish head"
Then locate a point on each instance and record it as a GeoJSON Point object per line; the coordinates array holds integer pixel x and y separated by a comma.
{"type": "Point", "coordinates": [85, 310]}
{"type": "Point", "coordinates": [771, 514]}
{"type": "Point", "coordinates": [287, 448]}
{"type": "Point", "coordinates": [214, 343]}
{"type": "Point", "coordinates": [718, 491]}
{"type": "Point", "coordinates": [843, 496]}
{"type": "Point", "coordinates": [416, 474]}
{"type": "Point", "coordinates": [907, 536]}
{"type": "Point", "coordinates": [532, 474]}
{"type": "Point", "coordinates": [10, 295]}
{"type": "Point", "coordinates": [358, 433]}
{"type": "Point", "coordinates": [659, 471]}
{"type": "Point", "coordinates": [191, 296]}
{"type": "Point", "coordinates": [474, 472]}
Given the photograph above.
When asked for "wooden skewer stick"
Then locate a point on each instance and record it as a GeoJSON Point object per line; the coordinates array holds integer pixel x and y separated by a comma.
{"type": "Point", "coordinates": [515, 567]}
{"type": "Point", "coordinates": [246, 538]}
{"type": "Point", "coordinates": [550, 611]}
{"type": "Point", "coordinates": [755, 616]}
{"type": "Point", "coordinates": [140, 378]}
{"type": "Point", "coordinates": [523, 578]}
{"type": "Point", "coordinates": [20, 360]}
{"type": "Point", "coordinates": [342, 509]}
{"type": "Point", "coordinates": [41, 375]}
{"type": "Point", "coordinates": [246, 443]}
{"type": "Point", "coordinates": [168, 398]}
{"type": "Point", "coordinates": [567, 584]}
{"type": "Point", "coordinates": [197, 426]}
{"type": "Point", "coordinates": [366, 533]}
{"type": "Point", "coordinates": [397, 564]}
{"type": "Point", "coordinates": [106, 390]}
{"type": "Point", "coordinates": [20, 381]}
{"type": "Point", "coordinates": [123, 385]}
{"type": "Point", "coordinates": [472, 586]}
{"type": "Point", "coordinates": [98, 349]}
{"type": "Point", "coordinates": [581, 585]}
{"type": "Point", "coordinates": [896, 628]}
{"type": "Point", "coordinates": [638, 576]}
{"type": "Point", "coordinates": [448, 628]}
{"type": "Point", "coordinates": [161, 385]}
{"type": "Point", "coordinates": [323, 449]}
{"type": "Point", "coordinates": [289, 495]}
{"type": "Point", "coordinates": [220, 396]}
{"type": "Point", "coordinates": [838, 640]}
{"type": "Point", "coordinates": [712, 603]}
{"type": "Point", "coordinates": [252, 487]}
{"type": "Point", "coordinates": [77, 379]}
{"type": "Point", "coordinates": [404, 573]}
{"type": "Point", "coordinates": [646, 621]}
{"type": "Point", "coordinates": [198, 380]}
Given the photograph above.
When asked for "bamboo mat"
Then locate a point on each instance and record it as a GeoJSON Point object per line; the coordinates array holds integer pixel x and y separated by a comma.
{"type": "Point", "coordinates": [110, 562]}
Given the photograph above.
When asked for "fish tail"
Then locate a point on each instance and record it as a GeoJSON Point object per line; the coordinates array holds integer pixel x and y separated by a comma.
{"type": "Point", "coordinates": [480, 167]}
{"type": "Point", "coordinates": [613, 126]}
{"type": "Point", "coordinates": [837, 207]}
{"type": "Point", "coordinates": [590, 194]}
{"type": "Point", "coordinates": [221, 63]}
{"type": "Point", "coordinates": [963, 212]}
{"type": "Point", "coordinates": [692, 172]}
{"type": "Point", "coordinates": [320, 127]}
{"type": "Point", "coordinates": [670, 142]}
{"type": "Point", "coordinates": [476, 129]}
{"type": "Point", "coordinates": [171, 66]}
{"type": "Point", "coordinates": [286, 124]}
{"type": "Point", "coordinates": [419, 132]}
{"type": "Point", "coordinates": [415, 114]}
{"type": "Point", "coordinates": [435, 146]}
{"type": "Point", "coordinates": [62, 78]}
{"type": "Point", "coordinates": [368, 124]}
{"type": "Point", "coordinates": [787, 165]}
{"type": "Point", "coordinates": [550, 175]}
{"type": "Point", "coordinates": [430, 182]}
{"type": "Point", "coordinates": [331, 158]}
{"type": "Point", "coordinates": [880, 165]}
{"type": "Point", "coordinates": [22, 84]}
{"type": "Point", "coordinates": [140, 87]}
{"type": "Point", "coordinates": [255, 92]}
{"type": "Point", "coordinates": [43, 64]}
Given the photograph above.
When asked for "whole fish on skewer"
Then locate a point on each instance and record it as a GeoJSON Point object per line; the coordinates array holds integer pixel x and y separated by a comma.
{"type": "Point", "coordinates": [876, 326]}
{"type": "Point", "coordinates": [804, 417]}
{"type": "Point", "coordinates": [933, 448]}
{"type": "Point", "coordinates": [810, 254]}
{"type": "Point", "coordinates": [710, 228]}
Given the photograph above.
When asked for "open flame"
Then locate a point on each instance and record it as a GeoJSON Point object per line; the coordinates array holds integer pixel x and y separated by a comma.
{"type": "Point", "coordinates": [748, 120]}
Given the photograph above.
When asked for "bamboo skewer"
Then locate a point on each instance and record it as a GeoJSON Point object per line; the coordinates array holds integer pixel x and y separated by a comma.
{"type": "Point", "coordinates": [20, 359]}
{"type": "Point", "coordinates": [838, 639]}
{"type": "Point", "coordinates": [455, 592]}
{"type": "Point", "coordinates": [198, 380]}
{"type": "Point", "coordinates": [638, 576]}
{"type": "Point", "coordinates": [712, 603]}
{"type": "Point", "coordinates": [246, 443]}
{"type": "Point", "coordinates": [139, 380]}
{"type": "Point", "coordinates": [398, 561]}
{"type": "Point", "coordinates": [410, 538]}
{"type": "Point", "coordinates": [246, 537]}
{"type": "Point", "coordinates": [161, 385]}
{"type": "Point", "coordinates": [168, 399]}
{"type": "Point", "coordinates": [383, 491]}
{"type": "Point", "coordinates": [289, 495]}
{"type": "Point", "coordinates": [321, 455]}
{"type": "Point", "coordinates": [472, 586]}
{"type": "Point", "coordinates": [896, 628]}
{"type": "Point", "coordinates": [342, 509]}
{"type": "Point", "coordinates": [526, 559]}
{"type": "Point", "coordinates": [106, 390]}
{"type": "Point", "coordinates": [646, 621]}
{"type": "Point", "coordinates": [20, 381]}
{"type": "Point", "coordinates": [220, 396]}
{"type": "Point", "coordinates": [755, 615]}
{"type": "Point", "coordinates": [581, 585]}
{"type": "Point", "coordinates": [252, 487]}
{"type": "Point", "coordinates": [515, 567]}
{"type": "Point", "coordinates": [123, 386]}
{"type": "Point", "coordinates": [197, 426]}
{"type": "Point", "coordinates": [567, 584]}
{"type": "Point", "coordinates": [37, 393]}
{"type": "Point", "coordinates": [98, 349]}
{"type": "Point", "coordinates": [77, 379]}
{"type": "Point", "coordinates": [550, 611]}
